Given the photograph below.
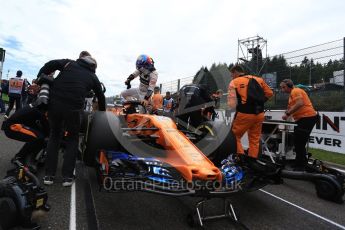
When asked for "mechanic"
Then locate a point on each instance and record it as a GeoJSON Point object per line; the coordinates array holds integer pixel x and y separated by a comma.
{"type": "Point", "coordinates": [216, 97]}
{"type": "Point", "coordinates": [194, 105]}
{"type": "Point", "coordinates": [148, 77]}
{"type": "Point", "coordinates": [67, 97]}
{"type": "Point", "coordinates": [249, 116]}
{"type": "Point", "coordinates": [156, 101]}
{"type": "Point", "coordinates": [305, 116]}
{"type": "Point", "coordinates": [30, 125]}
{"type": "Point", "coordinates": [168, 105]}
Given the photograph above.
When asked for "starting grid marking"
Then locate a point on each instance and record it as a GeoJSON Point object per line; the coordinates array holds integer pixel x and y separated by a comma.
{"type": "Point", "coordinates": [73, 219]}
{"type": "Point", "coordinates": [305, 210]}
{"type": "Point", "coordinates": [72, 216]}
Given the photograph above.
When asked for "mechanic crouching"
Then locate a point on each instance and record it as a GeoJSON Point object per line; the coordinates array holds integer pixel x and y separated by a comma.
{"type": "Point", "coordinates": [67, 98]}
{"type": "Point", "coordinates": [30, 125]}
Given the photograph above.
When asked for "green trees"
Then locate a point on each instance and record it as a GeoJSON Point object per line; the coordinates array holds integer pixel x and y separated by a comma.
{"type": "Point", "coordinates": [218, 77]}
{"type": "Point", "coordinates": [306, 72]}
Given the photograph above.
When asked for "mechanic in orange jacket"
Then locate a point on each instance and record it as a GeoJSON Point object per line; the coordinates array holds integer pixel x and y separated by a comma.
{"type": "Point", "coordinates": [304, 114]}
{"type": "Point", "coordinates": [249, 116]}
{"type": "Point", "coordinates": [156, 100]}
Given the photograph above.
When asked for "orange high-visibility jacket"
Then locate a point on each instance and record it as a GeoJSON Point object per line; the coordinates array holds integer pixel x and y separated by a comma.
{"type": "Point", "coordinates": [240, 85]}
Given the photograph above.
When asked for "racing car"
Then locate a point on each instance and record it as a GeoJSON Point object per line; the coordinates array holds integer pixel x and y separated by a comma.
{"type": "Point", "coordinates": [137, 151]}
{"type": "Point", "coordinates": [144, 147]}
{"type": "Point", "coordinates": [193, 156]}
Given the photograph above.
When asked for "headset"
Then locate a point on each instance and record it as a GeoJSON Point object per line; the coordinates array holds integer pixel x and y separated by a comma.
{"type": "Point", "coordinates": [288, 83]}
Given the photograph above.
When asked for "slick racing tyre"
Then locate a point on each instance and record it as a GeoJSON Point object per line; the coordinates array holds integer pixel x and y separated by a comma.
{"type": "Point", "coordinates": [216, 141]}
{"type": "Point", "coordinates": [103, 134]}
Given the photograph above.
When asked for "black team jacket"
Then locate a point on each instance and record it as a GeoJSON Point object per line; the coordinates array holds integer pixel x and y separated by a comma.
{"type": "Point", "coordinates": [73, 83]}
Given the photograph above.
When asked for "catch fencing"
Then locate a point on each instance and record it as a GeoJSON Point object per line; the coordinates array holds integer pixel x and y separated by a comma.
{"type": "Point", "coordinates": [318, 69]}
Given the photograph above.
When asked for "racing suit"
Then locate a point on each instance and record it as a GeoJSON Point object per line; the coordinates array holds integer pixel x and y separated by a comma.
{"type": "Point", "coordinates": [148, 80]}
{"type": "Point", "coordinates": [246, 121]}
{"type": "Point", "coordinates": [29, 125]}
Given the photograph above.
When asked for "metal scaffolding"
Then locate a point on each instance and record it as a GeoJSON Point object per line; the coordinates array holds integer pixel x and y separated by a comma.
{"type": "Point", "coordinates": [252, 53]}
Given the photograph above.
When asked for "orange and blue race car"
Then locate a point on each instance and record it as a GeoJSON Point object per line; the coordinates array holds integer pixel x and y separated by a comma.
{"type": "Point", "coordinates": [135, 151]}
{"type": "Point", "coordinates": [150, 151]}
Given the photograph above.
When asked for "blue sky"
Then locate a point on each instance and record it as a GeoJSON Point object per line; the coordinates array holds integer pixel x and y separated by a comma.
{"type": "Point", "coordinates": [181, 36]}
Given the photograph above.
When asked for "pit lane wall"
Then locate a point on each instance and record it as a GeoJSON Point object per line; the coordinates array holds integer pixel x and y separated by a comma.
{"type": "Point", "coordinates": [328, 133]}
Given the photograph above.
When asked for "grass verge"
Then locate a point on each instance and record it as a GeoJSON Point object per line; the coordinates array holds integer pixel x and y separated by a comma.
{"type": "Point", "coordinates": [324, 155]}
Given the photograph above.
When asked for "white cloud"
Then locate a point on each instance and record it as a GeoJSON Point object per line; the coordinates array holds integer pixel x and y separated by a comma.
{"type": "Point", "coordinates": [181, 36]}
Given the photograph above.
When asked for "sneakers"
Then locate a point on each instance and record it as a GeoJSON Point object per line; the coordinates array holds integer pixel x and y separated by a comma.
{"type": "Point", "coordinates": [67, 181]}
{"type": "Point", "coordinates": [48, 180]}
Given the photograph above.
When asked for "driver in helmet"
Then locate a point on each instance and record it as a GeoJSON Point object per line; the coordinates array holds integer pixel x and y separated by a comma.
{"type": "Point", "coordinates": [148, 78]}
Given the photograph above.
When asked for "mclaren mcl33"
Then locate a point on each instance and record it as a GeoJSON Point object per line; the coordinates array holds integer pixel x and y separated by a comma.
{"type": "Point", "coordinates": [138, 151]}
{"type": "Point", "coordinates": [135, 151]}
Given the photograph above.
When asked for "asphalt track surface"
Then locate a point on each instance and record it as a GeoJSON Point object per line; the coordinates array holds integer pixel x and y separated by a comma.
{"type": "Point", "coordinates": [292, 205]}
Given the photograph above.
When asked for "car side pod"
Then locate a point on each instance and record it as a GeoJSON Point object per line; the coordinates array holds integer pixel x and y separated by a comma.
{"type": "Point", "coordinates": [328, 186]}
